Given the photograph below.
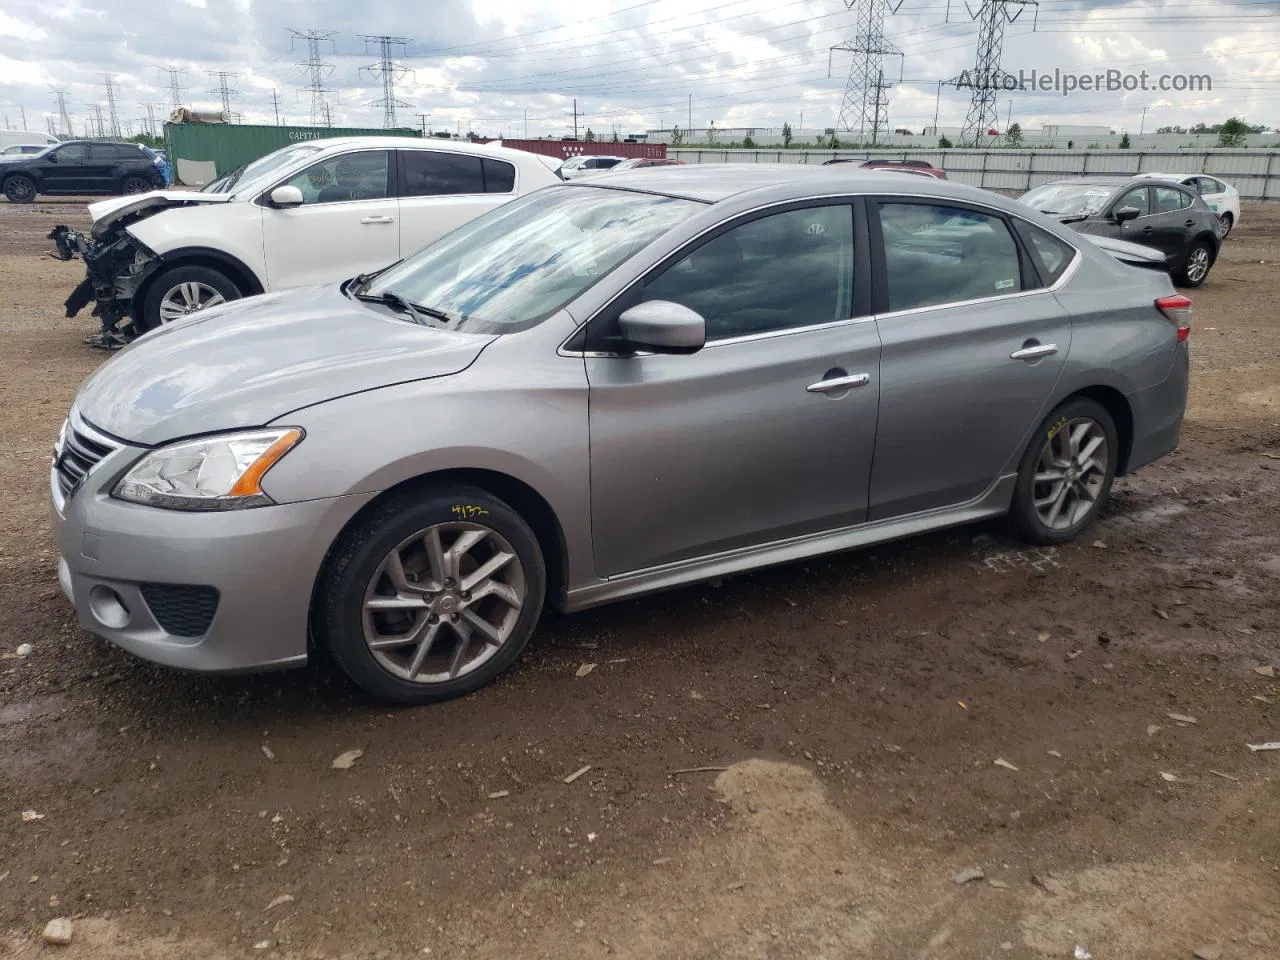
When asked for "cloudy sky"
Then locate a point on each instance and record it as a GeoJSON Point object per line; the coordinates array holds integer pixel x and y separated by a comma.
{"type": "Point", "coordinates": [488, 65]}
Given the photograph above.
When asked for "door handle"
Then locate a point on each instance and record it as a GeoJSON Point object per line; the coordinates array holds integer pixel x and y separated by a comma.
{"type": "Point", "coordinates": [377, 220]}
{"type": "Point", "coordinates": [836, 384]}
{"type": "Point", "coordinates": [1190, 223]}
{"type": "Point", "coordinates": [1146, 229]}
{"type": "Point", "coordinates": [1035, 352]}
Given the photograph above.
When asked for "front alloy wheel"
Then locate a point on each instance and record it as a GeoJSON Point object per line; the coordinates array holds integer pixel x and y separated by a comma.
{"type": "Point", "coordinates": [186, 298]}
{"type": "Point", "coordinates": [443, 602]}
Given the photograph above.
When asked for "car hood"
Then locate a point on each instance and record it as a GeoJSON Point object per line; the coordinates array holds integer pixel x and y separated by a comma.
{"type": "Point", "coordinates": [249, 362]}
{"type": "Point", "coordinates": [1127, 252]}
{"type": "Point", "coordinates": [107, 212]}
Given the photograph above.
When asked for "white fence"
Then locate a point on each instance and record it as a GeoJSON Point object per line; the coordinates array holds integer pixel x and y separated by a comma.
{"type": "Point", "coordinates": [1255, 173]}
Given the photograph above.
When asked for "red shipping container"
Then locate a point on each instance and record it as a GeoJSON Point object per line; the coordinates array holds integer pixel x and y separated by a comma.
{"type": "Point", "coordinates": [563, 149]}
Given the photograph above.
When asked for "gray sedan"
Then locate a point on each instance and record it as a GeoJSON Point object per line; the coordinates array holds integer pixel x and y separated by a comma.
{"type": "Point", "coordinates": [600, 390]}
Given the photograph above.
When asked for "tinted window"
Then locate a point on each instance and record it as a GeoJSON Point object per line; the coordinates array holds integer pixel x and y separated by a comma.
{"type": "Point", "coordinates": [352, 176]}
{"type": "Point", "coordinates": [1169, 199]}
{"type": "Point", "coordinates": [791, 269]}
{"type": "Point", "coordinates": [1137, 198]}
{"type": "Point", "coordinates": [429, 173]}
{"type": "Point", "coordinates": [499, 176]}
{"type": "Point", "coordinates": [936, 254]}
{"type": "Point", "coordinates": [72, 151]}
{"type": "Point", "coordinates": [1051, 255]}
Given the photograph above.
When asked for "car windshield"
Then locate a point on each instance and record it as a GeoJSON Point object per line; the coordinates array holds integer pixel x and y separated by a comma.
{"type": "Point", "coordinates": [243, 178]}
{"type": "Point", "coordinates": [515, 266]}
{"type": "Point", "coordinates": [1068, 199]}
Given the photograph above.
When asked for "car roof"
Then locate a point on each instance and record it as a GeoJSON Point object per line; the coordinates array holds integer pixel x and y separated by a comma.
{"type": "Point", "coordinates": [713, 182]}
{"type": "Point", "coordinates": [419, 143]}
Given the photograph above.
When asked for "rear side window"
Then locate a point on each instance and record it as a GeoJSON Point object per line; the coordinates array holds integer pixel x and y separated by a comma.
{"type": "Point", "coordinates": [1208, 185]}
{"type": "Point", "coordinates": [1169, 199]}
{"type": "Point", "coordinates": [1050, 255]}
{"type": "Point", "coordinates": [107, 151]}
{"type": "Point", "coordinates": [935, 254]}
{"type": "Point", "coordinates": [433, 173]}
{"type": "Point", "coordinates": [499, 176]}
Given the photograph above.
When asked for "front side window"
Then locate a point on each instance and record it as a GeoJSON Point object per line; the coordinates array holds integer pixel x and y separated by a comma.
{"type": "Point", "coordinates": [791, 269]}
{"type": "Point", "coordinates": [935, 254]}
{"type": "Point", "coordinates": [518, 264]}
{"type": "Point", "coordinates": [431, 173]}
{"type": "Point", "coordinates": [351, 176]}
{"type": "Point", "coordinates": [1169, 199]}
{"type": "Point", "coordinates": [72, 151]}
{"type": "Point", "coordinates": [1138, 198]}
{"type": "Point", "coordinates": [1051, 255]}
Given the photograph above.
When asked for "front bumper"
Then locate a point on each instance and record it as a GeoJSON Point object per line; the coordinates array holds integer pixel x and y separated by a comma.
{"type": "Point", "coordinates": [261, 562]}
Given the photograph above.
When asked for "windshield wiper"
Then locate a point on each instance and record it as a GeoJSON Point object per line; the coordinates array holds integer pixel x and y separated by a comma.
{"type": "Point", "coordinates": [397, 302]}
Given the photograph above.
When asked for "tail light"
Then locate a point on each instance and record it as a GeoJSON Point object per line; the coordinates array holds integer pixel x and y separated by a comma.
{"type": "Point", "coordinates": [1177, 309]}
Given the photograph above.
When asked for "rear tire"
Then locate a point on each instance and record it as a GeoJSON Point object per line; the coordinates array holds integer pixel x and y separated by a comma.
{"type": "Point", "coordinates": [473, 603]}
{"type": "Point", "coordinates": [180, 291]}
{"type": "Point", "coordinates": [1065, 475]}
{"type": "Point", "coordinates": [1228, 221]}
{"type": "Point", "coordinates": [132, 185]}
{"type": "Point", "coordinates": [1198, 264]}
{"type": "Point", "coordinates": [20, 188]}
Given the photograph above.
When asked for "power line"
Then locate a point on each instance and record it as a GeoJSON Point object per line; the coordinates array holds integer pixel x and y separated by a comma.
{"type": "Point", "coordinates": [108, 81]}
{"type": "Point", "coordinates": [316, 69]}
{"type": "Point", "coordinates": [389, 72]}
{"type": "Point", "coordinates": [223, 90]}
{"type": "Point", "coordinates": [865, 103]}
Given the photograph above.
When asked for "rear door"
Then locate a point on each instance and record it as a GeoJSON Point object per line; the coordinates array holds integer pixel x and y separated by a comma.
{"type": "Point", "coordinates": [440, 191]}
{"type": "Point", "coordinates": [764, 434]}
{"type": "Point", "coordinates": [346, 225]}
{"type": "Point", "coordinates": [973, 345]}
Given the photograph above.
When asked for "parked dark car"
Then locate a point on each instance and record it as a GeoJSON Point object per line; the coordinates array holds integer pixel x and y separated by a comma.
{"type": "Point", "coordinates": [80, 167]}
{"type": "Point", "coordinates": [1167, 216]}
{"type": "Point", "coordinates": [922, 168]}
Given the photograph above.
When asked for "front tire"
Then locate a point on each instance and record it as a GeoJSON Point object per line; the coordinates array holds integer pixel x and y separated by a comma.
{"type": "Point", "coordinates": [20, 188]}
{"type": "Point", "coordinates": [1196, 270]}
{"type": "Point", "coordinates": [1066, 473]}
{"type": "Point", "coordinates": [432, 595]}
{"type": "Point", "coordinates": [181, 291]}
{"type": "Point", "coordinates": [132, 185]}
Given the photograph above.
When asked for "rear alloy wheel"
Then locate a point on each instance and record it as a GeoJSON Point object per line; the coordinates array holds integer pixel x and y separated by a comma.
{"type": "Point", "coordinates": [432, 596]}
{"type": "Point", "coordinates": [132, 185]}
{"type": "Point", "coordinates": [1066, 474]}
{"type": "Point", "coordinates": [1199, 260]}
{"type": "Point", "coordinates": [182, 291]}
{"type": "Point", "coordinates": [1228, 221]}
{"type": "Point", "coordinates": [20, 189]}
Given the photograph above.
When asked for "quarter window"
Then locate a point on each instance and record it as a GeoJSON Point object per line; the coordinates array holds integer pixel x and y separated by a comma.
{"type": "Point", "coordinates": [1137, 198]}
{"type": "Point", "coordinates": [938, 254]}
{"type": "Point", "coordinates": [791, 269]}
{"type": "Point", "coordinates": [1169, 199]}
{"type": "Point", "coordinates": [1051, 255]}
{"type": "Point", "coordinates": [351, 176]}
{"type": "Point", "coordinates": [433, 173]}
{"type": "Point", "coordinates": [499, 176]}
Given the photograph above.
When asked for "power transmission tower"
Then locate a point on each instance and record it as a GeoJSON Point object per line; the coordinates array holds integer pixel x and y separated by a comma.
{"type": "Point", "coordinates": [389, 72]}
{"type": "Point", "coordinates": [176, 76]}
{"type": "Point", "coordinates": [150, 106]}
{"type": "Point", "coordinates": [865, 106]}
{"type": "Point", "coordinates": [422, 119]}
{"type": "Point", "coordinates": [992, 16]}
{"type": "Point", "coordinates": [275, 104]}
{"type": "Point", "coordinates": [64, 119]}
{"type": "Point", "coordinates": [108, 81]}
{"type": "Point", "coordinates": [575, 118]}
{"type": "Point", "coordinates": [316, 69]}
{"type": "Point", "coordinates": [224, 90]}
{"type": "Point", "coordinates": [99, 128]}
{"type": "Point", "coordinates": [53, 132]}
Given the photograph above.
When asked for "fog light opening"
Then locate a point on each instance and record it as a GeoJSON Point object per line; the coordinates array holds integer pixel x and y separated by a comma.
{"type": "Point", "coordinates": [108, 607]}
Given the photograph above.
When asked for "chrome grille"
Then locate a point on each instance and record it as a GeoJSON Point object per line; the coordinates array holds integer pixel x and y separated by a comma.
{"type": "Point", "coordinates": [79, 449]}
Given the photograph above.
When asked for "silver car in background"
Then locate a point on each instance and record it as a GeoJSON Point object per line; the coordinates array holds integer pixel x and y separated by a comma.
{"type": "Point", "coordinates": [600, 390]}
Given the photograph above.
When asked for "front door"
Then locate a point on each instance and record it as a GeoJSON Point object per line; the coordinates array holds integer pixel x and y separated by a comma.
{"type": "Point", "coordinates": [764, 434]}
{"type": "Point", "coordinates": [74, 170]}
{"type": "Point", "coordinates": [1171, 221]}
{"type": "Point", "coordinates": [347, 224]}
{"type": "Point", "coordinates": [971, 354]}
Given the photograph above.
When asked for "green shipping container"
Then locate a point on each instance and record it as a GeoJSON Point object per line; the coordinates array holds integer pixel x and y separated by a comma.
{"type": "Point", "coordinates": [229, 146]}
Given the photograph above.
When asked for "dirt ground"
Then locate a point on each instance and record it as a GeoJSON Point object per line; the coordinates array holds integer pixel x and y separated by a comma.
{"type": "Point", "coordinates": [859, 703]}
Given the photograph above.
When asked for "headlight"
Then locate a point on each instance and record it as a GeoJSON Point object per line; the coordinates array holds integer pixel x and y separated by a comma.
{"type": "Point", "coordinates": [215, 473]}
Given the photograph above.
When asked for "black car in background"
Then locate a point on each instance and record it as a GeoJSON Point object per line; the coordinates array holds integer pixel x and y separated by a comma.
{"type": "Point", "coordinates": [1167, 216]}
{"type": "Point", "coordinates": [79, 167]}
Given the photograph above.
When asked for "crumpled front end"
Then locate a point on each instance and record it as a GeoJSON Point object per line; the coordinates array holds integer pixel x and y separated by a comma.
{"type": "Point", "coordinates": [116, 267]}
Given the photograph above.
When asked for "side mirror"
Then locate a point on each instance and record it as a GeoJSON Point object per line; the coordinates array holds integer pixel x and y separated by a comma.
{"type": "Point", "coordinates": [287, 196]}
{"type": "Point", "coordinates": [663, 327]}
{"type": "Point", "coordinates": [1127, 213]}
{"type": "Point", "coordinates": [53, 158]}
